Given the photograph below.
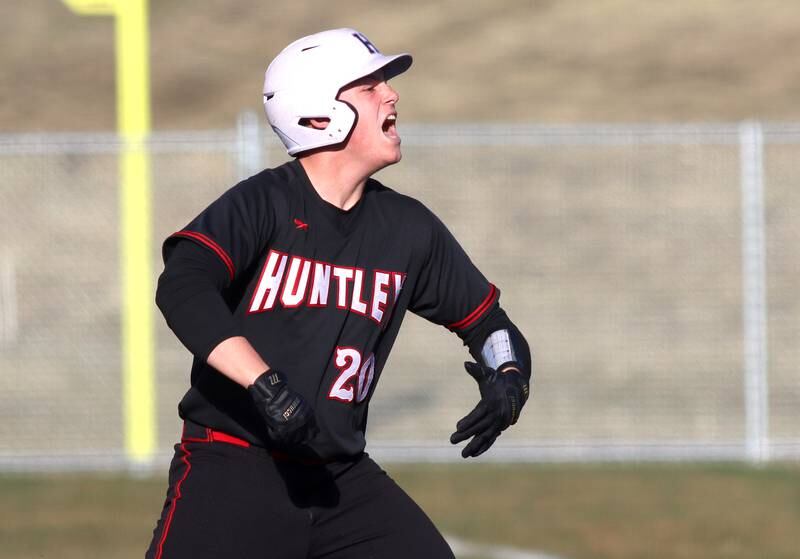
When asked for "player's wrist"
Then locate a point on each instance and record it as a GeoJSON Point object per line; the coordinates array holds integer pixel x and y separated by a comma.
{"type": "Point", "coordinates": [267, 385]}
{"type": "Point", "coordinates": [514, 367]}
{"type": "Point", "coordinates": [289, 419]}
{"type": "Point", "coordinates": [514, 377]}
{"type": "Point", "coordinates": [252, 377]}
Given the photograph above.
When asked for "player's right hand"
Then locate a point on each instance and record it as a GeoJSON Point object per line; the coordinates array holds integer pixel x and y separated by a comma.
{"type": "Point", "coordinates": [289, 418]}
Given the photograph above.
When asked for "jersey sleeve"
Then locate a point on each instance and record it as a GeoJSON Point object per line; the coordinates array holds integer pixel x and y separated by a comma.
{"type": "Point", "coordinates": [234, 228]}
{"type": "Point", "coordinates": [451, 291]}
{"type": "Point", "coordinates": [189, 296]}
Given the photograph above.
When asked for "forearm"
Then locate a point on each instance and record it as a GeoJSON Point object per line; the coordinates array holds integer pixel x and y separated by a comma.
{"type": "Point", "coordinates": [238, 360]}
{"type": "Point", "coordinates": [497, 342]}
{"type": "Point", "coordinates": [190, 295]}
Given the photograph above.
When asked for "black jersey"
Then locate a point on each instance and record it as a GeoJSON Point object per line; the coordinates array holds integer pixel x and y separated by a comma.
{"type": "Point", "coordinates": [320, 293]}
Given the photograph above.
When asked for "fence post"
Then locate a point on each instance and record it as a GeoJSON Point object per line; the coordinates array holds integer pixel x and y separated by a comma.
{"type": "Point", "coordinates": [751, 156]}
{"type": "Point", "coordinates": [249, 148]}
{"type": "Point", "coordinates": [132, 38]}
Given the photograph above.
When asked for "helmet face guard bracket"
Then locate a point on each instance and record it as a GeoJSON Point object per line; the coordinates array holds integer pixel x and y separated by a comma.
{"type": "Point", "coordinates": [304, 81]}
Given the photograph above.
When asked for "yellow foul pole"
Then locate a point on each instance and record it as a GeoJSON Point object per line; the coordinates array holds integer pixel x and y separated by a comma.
{"type": "Point", "coordinates": [133, 123]}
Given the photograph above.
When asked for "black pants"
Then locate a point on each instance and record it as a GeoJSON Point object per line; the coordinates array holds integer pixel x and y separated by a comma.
{"type": "Point", "coordinates": [228, 500]}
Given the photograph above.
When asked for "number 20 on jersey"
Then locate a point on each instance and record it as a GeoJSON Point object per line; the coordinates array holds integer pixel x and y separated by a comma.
{"type": "Point", "coordinates": [355, 375]}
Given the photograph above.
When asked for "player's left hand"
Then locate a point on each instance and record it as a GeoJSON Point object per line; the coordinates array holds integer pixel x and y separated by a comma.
{"type": "Point", "coordinates": [503, 393]}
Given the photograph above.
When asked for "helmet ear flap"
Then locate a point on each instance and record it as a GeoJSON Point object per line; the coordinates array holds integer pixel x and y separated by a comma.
{"type": "Point", "coordinates": [343, 121]}
{"type": "Point", "coordinates": [298, 137]}
{"type": "Point", "coordinates": [284, 138]}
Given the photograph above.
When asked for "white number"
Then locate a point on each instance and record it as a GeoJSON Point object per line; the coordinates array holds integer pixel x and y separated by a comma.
{"type": "Point", "coordinates": [365, 377]}
{"type": "Point", "coordinates": [348, 361]}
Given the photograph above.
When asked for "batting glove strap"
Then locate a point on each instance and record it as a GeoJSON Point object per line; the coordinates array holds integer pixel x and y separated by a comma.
{"type": "Point", "coordinates": [517, 387]}
{"type": "Point", "coordinates": [289, 419]}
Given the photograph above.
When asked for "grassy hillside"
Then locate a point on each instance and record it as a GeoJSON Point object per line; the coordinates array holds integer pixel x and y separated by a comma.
{"type": "Point", "coordinates": [519, 60]}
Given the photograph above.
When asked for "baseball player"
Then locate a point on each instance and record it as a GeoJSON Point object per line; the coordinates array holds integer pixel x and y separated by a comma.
{"type": "Point", "coordinates": [289, 290]}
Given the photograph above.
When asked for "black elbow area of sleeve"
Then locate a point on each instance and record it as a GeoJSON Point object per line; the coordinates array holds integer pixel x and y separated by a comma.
{"type": "Point", "coordinates": [202, 322]}
{"type": "Point", "coordinates": [189, 295]}
{"type": "Point", "coordinates": [164, 292]}
{"type": "Point", "coordinates": [178, 284]}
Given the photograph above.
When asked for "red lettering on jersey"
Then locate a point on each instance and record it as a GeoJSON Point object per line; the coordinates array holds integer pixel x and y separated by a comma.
{"type": "Point", "coordinates": [342, 275]}
{"type": "Point", "coordinates": [296, 284]}
{"type": "Point", "coordinates": [270, 281]}
{"type": "Point", "coordinates": [319, 285]}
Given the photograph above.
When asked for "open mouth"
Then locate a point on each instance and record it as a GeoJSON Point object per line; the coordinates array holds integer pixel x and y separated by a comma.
{"type": "Point", "coordinates": [390, 127]}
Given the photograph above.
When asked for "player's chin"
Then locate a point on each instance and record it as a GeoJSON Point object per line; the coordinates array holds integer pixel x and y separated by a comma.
{"type": "Point", "coordinates": [386, 159]}
{"type": "Point", "coordinates": [393, 152]}
{"type": "Point", "coordinates": [397, 156]}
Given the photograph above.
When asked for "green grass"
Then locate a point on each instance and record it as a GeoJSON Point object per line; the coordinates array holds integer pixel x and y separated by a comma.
{"type": "Point", "coordinates": [579, 512]}
{"type": "Point", "coordinates": [653, 511]}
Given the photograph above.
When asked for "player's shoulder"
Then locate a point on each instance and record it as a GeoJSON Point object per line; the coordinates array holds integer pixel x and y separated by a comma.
{"type": "Point", "coordinates": [398, 205]}
{"type": "Point", "coordinates": [269, 182]}
{"type": "Point", "coordinates": [268, 189]}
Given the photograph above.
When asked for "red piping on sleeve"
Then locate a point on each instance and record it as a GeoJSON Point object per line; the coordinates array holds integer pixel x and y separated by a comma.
{"type": "Point", "coordinates": [478, 312]}
{"type": "Point", "coordinates": [210, 243]}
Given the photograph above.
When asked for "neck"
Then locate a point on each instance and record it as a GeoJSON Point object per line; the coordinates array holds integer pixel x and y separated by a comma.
{"type": "Point", "coordinates": [337, 183]}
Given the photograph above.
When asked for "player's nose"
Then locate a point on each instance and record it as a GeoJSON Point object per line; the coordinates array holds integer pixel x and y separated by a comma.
{"type": "Point", "coordinates": [390, 94]}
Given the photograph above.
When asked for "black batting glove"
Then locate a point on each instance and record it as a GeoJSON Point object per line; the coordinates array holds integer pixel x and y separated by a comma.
{"type": "Point", "coordinates": [503, 393]}
{"type": "Point", "coordinates": [289, 418]}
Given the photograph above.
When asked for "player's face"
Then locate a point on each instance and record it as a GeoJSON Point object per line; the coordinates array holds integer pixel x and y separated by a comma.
{"type": "Point", "coordinates": [374, 139]}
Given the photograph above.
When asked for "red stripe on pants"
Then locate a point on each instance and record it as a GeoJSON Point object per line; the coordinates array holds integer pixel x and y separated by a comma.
{"type": "Point", "coordinates": [174, 505]}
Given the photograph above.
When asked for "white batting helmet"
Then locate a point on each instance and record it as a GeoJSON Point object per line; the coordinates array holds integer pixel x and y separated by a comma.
{"type": "Point", "coordinates": [305, 78]}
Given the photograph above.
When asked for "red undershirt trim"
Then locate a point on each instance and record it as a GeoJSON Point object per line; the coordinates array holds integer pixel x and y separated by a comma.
{"type": "Point", "coordinates": [210, 243]}
{"type": "Point", "coordinates": [472, 317]}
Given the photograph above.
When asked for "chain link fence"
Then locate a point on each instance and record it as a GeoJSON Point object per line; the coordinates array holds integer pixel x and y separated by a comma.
{"type": "Point", "coordinates": [653, 269]}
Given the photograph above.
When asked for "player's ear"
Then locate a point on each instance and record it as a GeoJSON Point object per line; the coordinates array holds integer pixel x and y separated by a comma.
{"type": "Point", "coordinates": [315, 123]}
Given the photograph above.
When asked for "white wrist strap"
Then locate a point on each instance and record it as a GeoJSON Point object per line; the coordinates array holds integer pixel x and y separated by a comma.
{"type": "Point", "coordinates": [497, 349]}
